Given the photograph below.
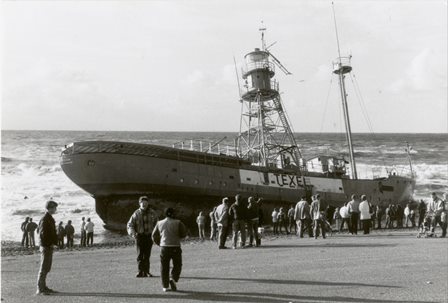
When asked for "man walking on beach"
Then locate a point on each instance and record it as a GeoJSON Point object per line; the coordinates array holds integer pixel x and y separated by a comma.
{"type": "Point", "coordinates": [30, 228]}
{"type": "Point", "coordinates": [48, 239]}
{"type": "Point", "coordinates": [167, 234]}
{"type": "Point", "coordinates": [222, 221]}
{"type": "Point", "coordinates": [140, 227]}
{"type": "Point", "coordinates": [24, 232]}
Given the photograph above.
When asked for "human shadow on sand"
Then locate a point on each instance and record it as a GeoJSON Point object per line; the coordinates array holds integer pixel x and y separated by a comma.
{"type": "Point", "coordinates": [292, 282]}
{"type": "Point", "coordinates": [207, 296]}
{"type": "Point", "coordinates": [324, 245]}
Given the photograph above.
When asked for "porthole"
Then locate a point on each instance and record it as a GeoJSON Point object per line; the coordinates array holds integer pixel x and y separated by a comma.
{"type": "Point", "coordinates": [196, 181]}
{"type": "Point", "coordinates": [181, 180]}
{"type": "Point", "coordinates": [90, 163]}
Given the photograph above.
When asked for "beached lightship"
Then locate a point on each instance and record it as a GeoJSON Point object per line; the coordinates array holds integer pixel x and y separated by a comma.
{"type": "Point", "coordinates": [265, 162]}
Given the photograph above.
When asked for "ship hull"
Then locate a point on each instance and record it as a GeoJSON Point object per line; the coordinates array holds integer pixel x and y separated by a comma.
{"type": "Point", "coordinates": [117, 173]}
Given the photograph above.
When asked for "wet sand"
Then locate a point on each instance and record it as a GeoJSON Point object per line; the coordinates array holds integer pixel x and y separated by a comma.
{"type": "Point", "coordinates": [387, 266]}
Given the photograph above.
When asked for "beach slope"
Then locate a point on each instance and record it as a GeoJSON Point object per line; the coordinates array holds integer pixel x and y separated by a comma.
{"type": "Point", "coordinates": [381, 267]}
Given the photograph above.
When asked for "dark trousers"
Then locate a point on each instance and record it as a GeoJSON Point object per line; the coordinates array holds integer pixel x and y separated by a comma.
{"type": "Point", "coordinates": [89, 238]}
{"type": "Point", "coordinates": [347, 222]}
{"type": "Point", "coordinates": [25, 239]}
{"type": "Point", "coordinates": [282, 224]}
{"type": "Point", "coordinates": [366, 226]}
{"type": "Point", "coordinates": [303, 225]}
{"type": "Point", "coordinates": [166, 255]}
{"type": "Point", "coordinates": [275, 227]}
{"type": "Point", "coordinates": [319, 224]}
{"type": "Point", "coordinates": [222, 235]}
{"type": "Point", "coordinates": [292, 224]}
{"type": "Point", "coordinates": [379, 221]}
{"type": "Point", "coordinates": [83, 238]}
{"type": "Point", "coordinates": [61, 242]}
{"type": "Point", "coordinates": [421, 217]}
{"type": "Point", "coordinates": [437, 220]}
{"type": "Point", "coordinates": [239, 226]}
{"type": "Point", "coordinates": [354, 223]}
{"type": "Point", "coordinates": [69, 240]}
{"type": "Point", "coordinates": [143, 244]}
{"type": "Point", "coordinates": [46, 259]}
{"type": "Point", "coordinates": [252, 228]}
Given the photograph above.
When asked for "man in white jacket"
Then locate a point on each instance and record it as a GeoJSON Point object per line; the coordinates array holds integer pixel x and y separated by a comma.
{"type": "Point", "coordinates": [365, 215]}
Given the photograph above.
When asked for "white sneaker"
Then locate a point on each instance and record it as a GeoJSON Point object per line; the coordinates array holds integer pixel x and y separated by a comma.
{"type": "Point", "coordinates": [166, 289]}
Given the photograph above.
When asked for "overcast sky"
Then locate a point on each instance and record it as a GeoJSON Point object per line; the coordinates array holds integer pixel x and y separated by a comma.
{"type": "Point", "coordinates": [168, 65]}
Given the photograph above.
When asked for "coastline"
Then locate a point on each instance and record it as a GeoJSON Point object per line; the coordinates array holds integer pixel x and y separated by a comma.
{"type": "Point", "coordinates": [392, 266]}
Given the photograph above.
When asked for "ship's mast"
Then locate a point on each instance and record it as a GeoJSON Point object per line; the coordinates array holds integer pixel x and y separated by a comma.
{"type": "Point", "coordinates": [340, 67]}
{"type": "Point", "coordinates": [265, 138]}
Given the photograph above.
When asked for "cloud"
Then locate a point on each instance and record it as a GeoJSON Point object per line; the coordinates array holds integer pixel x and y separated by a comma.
{"type": "Point", "coordinates": [423, 74]}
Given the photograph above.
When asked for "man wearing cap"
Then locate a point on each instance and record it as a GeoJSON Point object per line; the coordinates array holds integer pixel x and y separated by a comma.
{"type": "Point", "coordinates": [48, 239]}
{"type": "Point", "coordinates": [167, 234]}
{"type": "Point", "coordinates": [140, 227]}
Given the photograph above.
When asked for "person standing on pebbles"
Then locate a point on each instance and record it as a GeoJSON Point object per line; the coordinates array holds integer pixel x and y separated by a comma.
{"type": "Point", "coordinates": [167, 234]}
{"type": "Point", "coordinates": [48, 239]}
{"type": "Point", "coordinates": [140, 227]}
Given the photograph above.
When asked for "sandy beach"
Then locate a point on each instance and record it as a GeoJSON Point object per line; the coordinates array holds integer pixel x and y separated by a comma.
{"type": "Point", "coordinates": [386, 266]}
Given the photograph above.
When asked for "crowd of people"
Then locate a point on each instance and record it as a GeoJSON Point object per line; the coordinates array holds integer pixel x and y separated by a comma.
{"type": "Point", "coordinates": [318, 218]}
{"type": "Point", "coordinates": [243, 218]}
{"type": "Point", "coordinates": [65, 234]}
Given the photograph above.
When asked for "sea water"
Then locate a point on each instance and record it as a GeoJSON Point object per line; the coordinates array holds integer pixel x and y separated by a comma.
{"type": "Point", "coordinates": [31, 173]}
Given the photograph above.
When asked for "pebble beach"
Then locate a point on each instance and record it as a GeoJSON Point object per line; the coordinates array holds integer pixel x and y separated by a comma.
{"type": "Point", "coordinates": [385, 266]}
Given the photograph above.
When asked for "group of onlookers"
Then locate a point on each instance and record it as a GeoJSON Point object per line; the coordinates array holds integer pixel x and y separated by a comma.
{"type": "Point", "coordinates": [396, 217]}
{"type": "Point", "coordinates": [28, 228]}
{"type": "Point", "coordinates": [240, 216]}
{"type": "Point", "coordinates": [318, 217]}
{"type": "Point", "coordinates": [67, 232]}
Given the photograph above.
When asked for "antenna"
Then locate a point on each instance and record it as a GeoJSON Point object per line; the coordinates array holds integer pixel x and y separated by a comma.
{"type": "Point", "coordinates": [336, 29]}
{"type": "Point", "coordinates": [262, 29]}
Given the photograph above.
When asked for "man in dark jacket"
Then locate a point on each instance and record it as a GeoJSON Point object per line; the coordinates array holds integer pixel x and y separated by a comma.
{"type": "Point", "coordinates": [25, 233]}
{"type": "Point", "coordinates": [48, 239]}
{"type": "Point", "coordinates": [70, 233]}
{"type": "Point", "coordinates": [140, 227]}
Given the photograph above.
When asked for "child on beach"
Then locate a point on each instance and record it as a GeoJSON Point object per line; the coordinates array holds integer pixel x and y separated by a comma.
{"type": "Point", "coordinates": [200, 220]}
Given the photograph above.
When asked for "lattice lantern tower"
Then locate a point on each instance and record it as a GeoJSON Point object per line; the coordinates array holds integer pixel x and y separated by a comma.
{"type": "Point", "coordinates": [265, 136]}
